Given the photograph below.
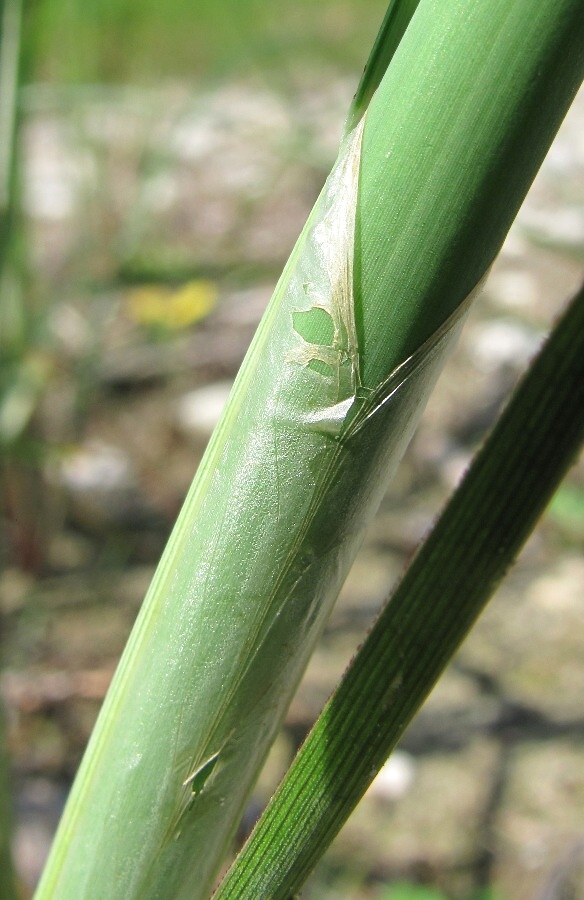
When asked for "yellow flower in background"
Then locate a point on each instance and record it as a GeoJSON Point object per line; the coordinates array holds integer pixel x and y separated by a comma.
{"type": "Point", "coordinates": [172, 309]}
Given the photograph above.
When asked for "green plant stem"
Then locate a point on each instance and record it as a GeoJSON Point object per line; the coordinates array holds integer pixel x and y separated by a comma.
{"type": "Point", "coordinates": [441, 595]}
{"type": "Point", "coordinates": [10, 24]}
{"type": "Point", "coordinates": [319, 417]}
{"type": "Point", "coordinates": [8, 889]}
{"type": "Point", "coordinates": [10, 63]}
{"type": "Point", "coordinates": [10, 27]}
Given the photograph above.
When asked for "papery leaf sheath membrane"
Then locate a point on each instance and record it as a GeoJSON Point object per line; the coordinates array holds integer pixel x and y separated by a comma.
{"type": "Point", "coordinates": [293, 474]}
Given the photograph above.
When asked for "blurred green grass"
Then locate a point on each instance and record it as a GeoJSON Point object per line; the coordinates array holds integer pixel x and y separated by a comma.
{"type": "Point", "coordinates": [124, 41]}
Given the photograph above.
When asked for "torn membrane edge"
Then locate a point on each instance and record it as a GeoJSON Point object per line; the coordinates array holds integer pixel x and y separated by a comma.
{"type": "Point", "coordinates": [328, 256]}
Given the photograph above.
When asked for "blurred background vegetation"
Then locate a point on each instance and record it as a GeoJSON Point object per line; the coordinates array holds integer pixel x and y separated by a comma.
{"type": "Point", "coordinates": [120, 41]}
{"type": "Point", "coordinates": [167, 157]}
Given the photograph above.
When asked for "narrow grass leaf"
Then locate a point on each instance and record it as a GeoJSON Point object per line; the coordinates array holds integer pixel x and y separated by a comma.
{"type": "Point", "coordinates": [395, 22]}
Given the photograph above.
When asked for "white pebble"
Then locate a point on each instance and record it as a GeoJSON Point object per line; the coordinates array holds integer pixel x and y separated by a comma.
{"type": "Point", "coordinates": [502, 343]}
{"type": "Point", "coordinates": [198, 412]}
{"type": "Point", "coordinates": [513, 288]}
{"type": "Point", "coordinates": [395, 778]}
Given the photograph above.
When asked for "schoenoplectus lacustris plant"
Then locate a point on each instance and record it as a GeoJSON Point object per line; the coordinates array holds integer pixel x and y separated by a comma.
{"type": "Point", "coordinates": [457, 108]}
